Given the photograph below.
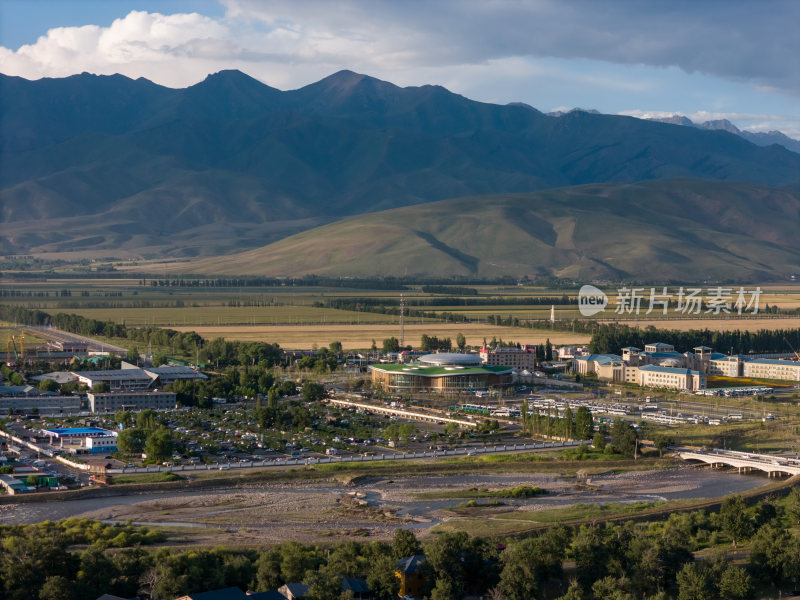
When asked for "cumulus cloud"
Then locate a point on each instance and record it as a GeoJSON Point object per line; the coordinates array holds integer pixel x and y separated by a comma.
{"type": "Point", "coordinates": [491, 50]}
{"type": "Point", "coordinates": [734, 39]}
{"type": "Point", "coordinates": [173, 49]}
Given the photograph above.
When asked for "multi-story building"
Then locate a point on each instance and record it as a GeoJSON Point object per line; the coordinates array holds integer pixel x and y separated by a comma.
{"type": "Point", "coordinates": [43, 405]}
{"type": "Point", "coordinates": [674, 378]}
{"type": "Point", "coordinates": [517, 358]}
{"type": "Point", "coordinates": [589, 363]}
{"type": "Point", "coordinates": [723, 366]}
{"type": "Point", "coordinates": [134, 401]}
{"type": "Point", "coordinates": [771, 368]}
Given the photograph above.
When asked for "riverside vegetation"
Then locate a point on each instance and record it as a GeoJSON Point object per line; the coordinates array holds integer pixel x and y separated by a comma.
{"type": "Point", "coordinates": [685, 557]}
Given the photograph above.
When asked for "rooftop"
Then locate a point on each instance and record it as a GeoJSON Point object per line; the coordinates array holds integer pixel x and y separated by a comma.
{"type": "Point", "coordinates": [450, 358]}
{"type": "Point", "coordinates": [670, 370]}
{"type": "Point", "coordinates": [775, 361]}
{"type": "Point", "coordinates": [115, 374]}
{"type": "Point", "coordinates": [426, 371]}
{"type": "Point", "coordinates": [411, 564]}
{"type": "Point", "coordinates": [78, 431]}
{"type": "Point", "coordinates": [602, 359]}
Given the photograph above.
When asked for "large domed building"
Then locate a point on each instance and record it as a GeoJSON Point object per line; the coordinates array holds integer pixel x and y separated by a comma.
{"type": "Point", "coordinates": [443, 372]}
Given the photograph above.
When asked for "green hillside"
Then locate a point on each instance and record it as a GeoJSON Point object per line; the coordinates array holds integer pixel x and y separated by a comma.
{"type": "Point", "coordinates": [666, 230]}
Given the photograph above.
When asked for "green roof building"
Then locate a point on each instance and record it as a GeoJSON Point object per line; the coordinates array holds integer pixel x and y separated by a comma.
{"type": "Point", "coordinates": [444, 372]}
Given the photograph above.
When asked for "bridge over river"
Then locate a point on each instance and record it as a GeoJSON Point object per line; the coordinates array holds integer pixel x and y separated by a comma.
{"type": "Point", "coordinates": [774, 466]}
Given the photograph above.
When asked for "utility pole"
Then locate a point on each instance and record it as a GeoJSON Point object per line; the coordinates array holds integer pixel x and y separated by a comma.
{"type": "Point", "coordinates": [402, 320]}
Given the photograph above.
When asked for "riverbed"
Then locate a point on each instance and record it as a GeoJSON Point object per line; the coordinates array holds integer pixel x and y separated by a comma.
{"type": "Point", "coordinates": [375, 507]}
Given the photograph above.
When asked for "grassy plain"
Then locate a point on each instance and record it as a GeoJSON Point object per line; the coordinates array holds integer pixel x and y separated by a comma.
{"type": "Point", "coordinates": [7, 330]}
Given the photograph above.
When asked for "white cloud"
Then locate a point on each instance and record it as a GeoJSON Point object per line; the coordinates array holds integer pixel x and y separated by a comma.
{"type": "Point", "coordinates": [170, 49]}
{"type": "Point", "coordinates": [501, 50]}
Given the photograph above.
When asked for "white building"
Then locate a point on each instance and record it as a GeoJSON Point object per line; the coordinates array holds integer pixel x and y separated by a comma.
{"type": "Point", "coordinates": [771, 368]}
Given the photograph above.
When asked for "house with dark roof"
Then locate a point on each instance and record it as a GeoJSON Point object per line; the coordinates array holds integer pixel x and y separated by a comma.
{"type": "Point", "coordinates": [358, 587]}
{"type": "Point", "coordinates": [231, 593]}
{"type": "Point", "coordinates": [268, 595]}
{"type": "Point", "coordinates": [412, 575]}
{"type": "Point", "coordinates": [294, 591]}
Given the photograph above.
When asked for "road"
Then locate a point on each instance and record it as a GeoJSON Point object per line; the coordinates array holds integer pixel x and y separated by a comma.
{"type": "Point", "coordinates": [57, 335]}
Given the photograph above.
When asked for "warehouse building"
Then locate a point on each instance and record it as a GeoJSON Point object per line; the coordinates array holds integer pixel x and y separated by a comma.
{"type": "Point", "coordinates": [83, 440]}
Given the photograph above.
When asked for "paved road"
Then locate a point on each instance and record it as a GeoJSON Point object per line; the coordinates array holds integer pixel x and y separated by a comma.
{"type": "Point", "coordinates": [57, 335]}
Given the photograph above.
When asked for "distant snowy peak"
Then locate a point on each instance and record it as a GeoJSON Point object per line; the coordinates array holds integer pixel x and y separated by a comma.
{"type": "Point", "coordinates": [759, 138]}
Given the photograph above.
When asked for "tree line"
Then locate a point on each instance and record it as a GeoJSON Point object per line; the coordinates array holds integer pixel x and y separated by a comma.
{"type": "Point", "coordinates": [612, 337]}
{"type": "Point", "coordinates": [642, 560]}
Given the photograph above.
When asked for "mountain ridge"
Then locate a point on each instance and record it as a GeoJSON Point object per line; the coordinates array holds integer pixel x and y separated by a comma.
{"type": "Point", "coordinates": [86, 161]}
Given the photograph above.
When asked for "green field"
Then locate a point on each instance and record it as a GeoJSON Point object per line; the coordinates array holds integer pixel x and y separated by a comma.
{"type": "Point", "coordinates": [299, 316]}
{"type": "Point", "coordinates": [231, 315]}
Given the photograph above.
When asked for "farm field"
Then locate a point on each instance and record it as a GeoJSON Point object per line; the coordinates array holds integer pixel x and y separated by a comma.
{"type": "Point", "coordinates": [355, 337]}
{"type": "Point", "coordinates": [303, 311]}
{"type": "Point", "coordinates": [230, 315]}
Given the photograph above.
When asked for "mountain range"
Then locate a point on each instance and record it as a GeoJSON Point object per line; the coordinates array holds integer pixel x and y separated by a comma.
{"type": "Point", "coordinates": [111, 166]}
{"type": "Point", "coordinates": [760, 138]}
{"type": "Point", "coordinates": [663, 230]}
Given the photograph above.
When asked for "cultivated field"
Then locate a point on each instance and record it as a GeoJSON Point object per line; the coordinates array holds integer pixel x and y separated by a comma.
{"type": "Point", "coordinates": [355, 337]}
{"type": "Point", "coordinates": [231, 315]}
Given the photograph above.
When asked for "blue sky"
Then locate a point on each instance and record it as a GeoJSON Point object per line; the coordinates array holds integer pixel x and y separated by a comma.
{"type": "Point", "coordinates": [732, 59]}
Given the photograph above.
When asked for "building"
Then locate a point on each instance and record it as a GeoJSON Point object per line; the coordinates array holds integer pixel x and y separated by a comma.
{"type": "Point", "coordinates": [83, 440]}
{"type": "Point", "coordinates": [12, 485]}
{"type": "Point", "coordinates": [60, 377]}
{"type": "Point", "coordinates": [724, 366]}
{"type": "Point", "coordinates": [674, 378]}
{"type": "Point", "coordinates": [80, 349]}
{"type": "Point", "coordinates": [411, 575]}
{"type": "Point", "coordinates": [43, 405]}
{"type": "Point", "coordinates": [294, 591]}
{"type": "Point", "coordinates": [109, 402]}
{"type": "Point", "coordinates": [444, 372]}
{"type": "Point", "coordinates": [19, 391]}
{"type": "Point", "coordinates": [589, 363]}
{"type": "Point", "coordinates": [120, 379]}
{"type": "Point", "coordinates": [658, 365]}
{"type": "Point", "coordinates": [168, 374]}
{"type": "Point", "coordinates": [519, 358]}
{"type": "Point", "coordinates": [772, 368]}
{"type": "Point", "coordinates": [230, 593]}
